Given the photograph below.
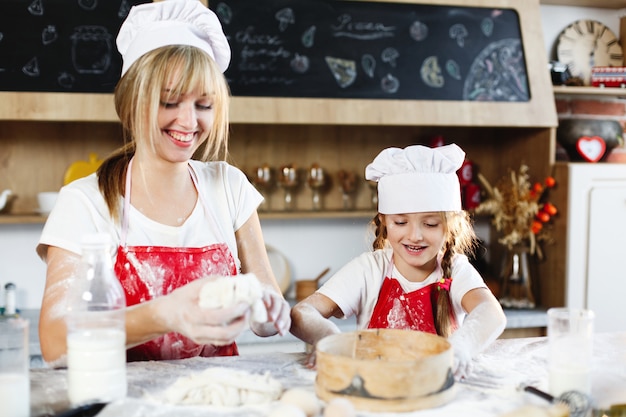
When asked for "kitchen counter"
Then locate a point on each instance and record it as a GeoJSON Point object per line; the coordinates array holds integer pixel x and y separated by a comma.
{"type": "Point", "coordinates": [491, 390]}
{"type": "Point", "coordinates": [248, 342]}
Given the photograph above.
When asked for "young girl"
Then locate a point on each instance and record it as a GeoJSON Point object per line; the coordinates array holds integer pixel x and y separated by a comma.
{"type": "Point", "coordinates": [418, 276]}
{"type": "Point", "coordinates": [176, 220]}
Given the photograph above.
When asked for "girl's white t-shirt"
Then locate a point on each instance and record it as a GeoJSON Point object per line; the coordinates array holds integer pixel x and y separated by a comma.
{"type": "Point", "coordinates": [355, 287]}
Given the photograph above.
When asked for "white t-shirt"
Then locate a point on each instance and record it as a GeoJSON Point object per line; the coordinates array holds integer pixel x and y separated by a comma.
{"type": "Point", "coordinates": [355, 287]}
{"type": "Point", "coordinates": [228, 197]}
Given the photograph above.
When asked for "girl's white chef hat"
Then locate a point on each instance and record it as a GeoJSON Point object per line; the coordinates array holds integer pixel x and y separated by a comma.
{"type": "Point", "coordinates": [417, 179]}
{"type": "Point", "coordinates": [172, 22]}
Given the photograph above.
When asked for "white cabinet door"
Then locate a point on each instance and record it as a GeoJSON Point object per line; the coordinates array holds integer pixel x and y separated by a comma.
{"type": "Point", "coordinates": [606, 267]}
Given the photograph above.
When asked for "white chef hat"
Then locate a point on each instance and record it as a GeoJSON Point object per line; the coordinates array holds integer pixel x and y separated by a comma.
{"type": "Point", "coordinates": [172, 22]}
{"type": "Point", "coordinates": [417, 179]}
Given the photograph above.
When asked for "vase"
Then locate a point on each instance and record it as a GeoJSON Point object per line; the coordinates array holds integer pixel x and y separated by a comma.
{"type": "Point", "coordinates": [516, 287]}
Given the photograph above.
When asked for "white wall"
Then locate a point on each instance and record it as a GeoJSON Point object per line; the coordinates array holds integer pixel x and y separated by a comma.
{"type": "Point", "coordinates": [20, 264]}
{"type": "Point", "coordinates": [556, 18]}
{"type": "Point", "coordinates": [309, 245]}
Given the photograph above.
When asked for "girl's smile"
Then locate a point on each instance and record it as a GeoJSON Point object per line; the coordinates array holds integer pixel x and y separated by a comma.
{"type": "Point", "coordinates": [416, 239]}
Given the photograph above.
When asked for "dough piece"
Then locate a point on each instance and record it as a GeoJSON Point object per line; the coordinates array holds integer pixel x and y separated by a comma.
{"type": "Point", "coordinates": [228, 291]}
{"type": "Point", "coordinates": [286, 410]}
{"type": "Point", "coordinates": [304, 399]}
{"type": "Point", "coordinates": [224, 387]}
{"type": "Point", "coordinates": [339, 407]}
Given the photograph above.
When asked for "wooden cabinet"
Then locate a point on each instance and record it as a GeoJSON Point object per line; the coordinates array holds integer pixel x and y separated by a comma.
{"type": "Point", "coordinates": [592, 202]}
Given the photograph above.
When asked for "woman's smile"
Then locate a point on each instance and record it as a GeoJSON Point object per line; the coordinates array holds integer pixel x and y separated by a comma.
{"type": "Point", "coordinates": [181, 137]}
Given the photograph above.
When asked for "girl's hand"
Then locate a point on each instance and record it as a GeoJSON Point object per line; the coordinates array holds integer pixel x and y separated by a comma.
{"type": "Point", "coordinates": [310, 361]}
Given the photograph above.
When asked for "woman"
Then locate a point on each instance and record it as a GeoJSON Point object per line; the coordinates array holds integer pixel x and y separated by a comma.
{"type": "Point", "coordinates": [176, 220]}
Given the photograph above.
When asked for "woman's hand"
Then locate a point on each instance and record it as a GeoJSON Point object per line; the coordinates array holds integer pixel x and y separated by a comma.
{"type": "Point", "coordinates": [278, 315]}
{"type": "Point", "coordinates": [180, 312]}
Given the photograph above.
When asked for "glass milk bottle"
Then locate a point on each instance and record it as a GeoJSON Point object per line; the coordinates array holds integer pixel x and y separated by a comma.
{"type": "Point", "coordinates": [96, 334]}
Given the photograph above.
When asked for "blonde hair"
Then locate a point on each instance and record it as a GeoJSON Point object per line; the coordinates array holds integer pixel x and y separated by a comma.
{"type": "Point", "coordinates": [181, 69]}
{"type": "Point", "coordinates": [460, 239]}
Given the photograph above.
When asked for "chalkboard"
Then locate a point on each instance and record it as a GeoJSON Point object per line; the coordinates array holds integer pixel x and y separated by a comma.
{"type": "Point", "coordinates": [373, 50]}
{"type": "Point", "coordinates": [61, 45]}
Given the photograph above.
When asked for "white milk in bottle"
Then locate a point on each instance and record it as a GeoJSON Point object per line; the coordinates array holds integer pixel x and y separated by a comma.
{"type": "Point", "coordinates": [96, 335]}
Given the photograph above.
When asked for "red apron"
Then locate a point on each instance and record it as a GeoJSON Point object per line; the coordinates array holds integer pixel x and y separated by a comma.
{"type": "Point", "coordinates": [396, 309]}
{"type": "Point", "coordinates": [148, 272]}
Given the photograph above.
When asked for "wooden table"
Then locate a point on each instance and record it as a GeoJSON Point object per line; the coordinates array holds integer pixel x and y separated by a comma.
{"type": "Point", "coordinates": [492, 390]}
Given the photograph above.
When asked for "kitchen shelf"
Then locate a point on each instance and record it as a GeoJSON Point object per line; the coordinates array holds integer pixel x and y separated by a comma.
{"type": "Point", "coordinates": [601, 4]}
{"type": "Point", "coordinates": [274, 215]}
{"type": "Point", "coordinates": [325, 214]}
{"type": "Point", "coordinates": [589, 91]}
{"type": "Point", "coordinates": [22, 218]}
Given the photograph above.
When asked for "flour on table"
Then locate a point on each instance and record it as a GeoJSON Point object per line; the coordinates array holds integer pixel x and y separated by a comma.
{"type": "Point", "coordinates": [224, 387]}
{"type": "Point", "coordinates": [228, 291]}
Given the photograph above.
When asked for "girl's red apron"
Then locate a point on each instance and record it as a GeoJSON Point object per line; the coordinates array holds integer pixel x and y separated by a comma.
{"type": "Point", "coordinates": [148, 272]}
{"type": "Point", "coordinates": [396, 309]}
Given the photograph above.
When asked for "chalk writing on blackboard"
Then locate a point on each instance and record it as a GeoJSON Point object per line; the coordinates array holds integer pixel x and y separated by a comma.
{"type": "Point", "coordinates": [61, 45]}
{"type": "Point", "coordinates": [365, 49]}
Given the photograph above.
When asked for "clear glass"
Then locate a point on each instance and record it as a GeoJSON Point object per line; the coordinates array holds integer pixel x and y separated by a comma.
{"type": "Point", "coordinates": [570, 339]}
{"type": "Point", "coordinates": [96, 338]}
{"type": "Point", "coordinates": [14, 366]}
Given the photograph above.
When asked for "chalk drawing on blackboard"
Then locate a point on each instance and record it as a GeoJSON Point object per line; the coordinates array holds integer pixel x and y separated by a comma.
{"type": "Point", "coordinates": [418, 31]}
{"type": "Point", "coordinates": [300, 63]}
{"type": "Point", "coordinates": [49, 34]}
{"type": "Point", "coordinates": [32, 68]}
{"type": "Point", "coordinates": [87, 4]}
{"type": "Point", "coordinates": [1, 36]}
{"type": "Point", "coordinates": [347, 28]}
{"type": "Point", "coordinates": [498, 73]}
{"type": "Point", "coordinates": [389, 84]}
{"type": "Point", "coordinates": [66, 80]}
{"type": "Point", "coordinates": [343, 70]}
{"type": "Point", "coordinates": [453, 69]}
{"type": "Point", "coordinates": [431, 72]}
{"type": "Point", "coordinates": [486, 26]}
{"type": "Point", "coordinates": [368, 63]}
{"type": "Point", "coordinates": [124, 9]}
{"type": "Point", "coordinates": [285, 18]}
{"type": "Point", "coordinates": [36, 8]}
{"type": "Point", "coordinates": [308, 37]}
{"type": "Point", "coordinates": [224, 12]}
{"type": "Point", "coordinates": [390, 55]}
{"type": "Point", "coordinates": [91, 49]}
{"type": "Point", "coordinates": [458, 32]}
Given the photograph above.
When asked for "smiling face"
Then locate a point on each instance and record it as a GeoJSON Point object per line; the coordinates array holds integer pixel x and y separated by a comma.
{"type": "Point", "coordinates": [416, 240]}
{"type": "Point", "coordinates": [184, 120]}
{"type": "Point", "coordinates": [173, 100]}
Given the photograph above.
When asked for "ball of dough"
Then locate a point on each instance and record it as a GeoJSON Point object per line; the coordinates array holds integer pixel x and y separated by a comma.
{"type": "Point", "coordinates": [339, 407]}
{"type": "Point", "coordinates": [304, 399]}
{"type": "Point", "coordinates": [228, 291]}
{"type": "Point", "coordinates": [286, 410]}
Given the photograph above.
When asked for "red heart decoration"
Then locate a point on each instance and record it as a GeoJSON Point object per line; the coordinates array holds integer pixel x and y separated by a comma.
{"type": "Point", "coordinates": [591, 148]}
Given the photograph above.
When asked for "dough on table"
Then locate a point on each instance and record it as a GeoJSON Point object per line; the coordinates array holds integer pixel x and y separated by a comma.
{"type": "Point", "coordinates": [221, 386]}
{"type": "Point", "coordinates": [230, 290]}
{"type": "Point", "coordinates": [303, 398]}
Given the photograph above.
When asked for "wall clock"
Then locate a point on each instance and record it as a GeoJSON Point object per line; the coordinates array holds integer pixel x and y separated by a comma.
{"type": "Point", "coordinates": [588, 43]}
